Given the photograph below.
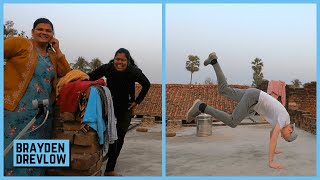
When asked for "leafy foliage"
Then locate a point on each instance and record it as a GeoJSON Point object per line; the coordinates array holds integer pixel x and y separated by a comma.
{"type": "Point", "coordinates": [296, 83]}
{"type": "Point", "coordinates": [257, 65]}
{"type": "Point", "coordinates": [192, 65]}
{"type": "Point", "coordinates": [10, 31]}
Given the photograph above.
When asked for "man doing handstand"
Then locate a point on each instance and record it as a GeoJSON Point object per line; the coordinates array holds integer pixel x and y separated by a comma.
{"type": "Point", "coordinates": [249, 100]}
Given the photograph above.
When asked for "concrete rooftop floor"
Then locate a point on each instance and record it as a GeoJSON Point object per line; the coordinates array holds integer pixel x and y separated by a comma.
{"type": "Point", "coordinates": [240, 151]}
{"type": "Point", "coordinates": [141, 153]}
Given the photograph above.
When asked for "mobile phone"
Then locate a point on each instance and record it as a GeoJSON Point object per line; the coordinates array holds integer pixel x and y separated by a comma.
{"type": "Point", "coordinates": [50, 47]}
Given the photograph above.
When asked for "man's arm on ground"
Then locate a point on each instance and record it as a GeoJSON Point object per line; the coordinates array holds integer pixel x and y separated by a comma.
{"type": "Point", "coordinates": [272, 147]}
{"type": "Point", "coordinates": [271, 132]}
{"type": "Point", "coordinates": [275, 151]}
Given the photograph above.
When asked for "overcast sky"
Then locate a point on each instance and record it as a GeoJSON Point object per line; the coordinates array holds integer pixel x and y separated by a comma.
{"type": "Point", "coordinates": [99, 30]}
{"type": "Point", "coordinates": [282, 35]}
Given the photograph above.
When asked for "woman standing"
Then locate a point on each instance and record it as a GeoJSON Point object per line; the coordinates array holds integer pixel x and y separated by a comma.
{"type": "Point", "coordinates": [31, 72]}
{"type": "Point", "coordinates": [121, 74]}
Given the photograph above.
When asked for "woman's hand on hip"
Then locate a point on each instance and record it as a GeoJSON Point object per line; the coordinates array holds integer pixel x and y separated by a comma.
{"type": "Point", "coordinates": [132, 106]}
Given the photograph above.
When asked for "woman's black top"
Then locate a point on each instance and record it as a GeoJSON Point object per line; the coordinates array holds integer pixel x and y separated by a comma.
{"type": "Point", "coordinates": [122, 84]}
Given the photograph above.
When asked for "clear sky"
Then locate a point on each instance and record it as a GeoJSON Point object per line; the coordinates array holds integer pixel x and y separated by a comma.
{"type": "Point", "coordinates": [99, 30]}
{"type": "Point", "coordinates": [282, 35]}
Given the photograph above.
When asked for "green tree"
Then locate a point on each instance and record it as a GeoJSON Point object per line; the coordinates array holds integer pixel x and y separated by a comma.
{"type": "Point", "coordinates": [192, 65]}
{"type": "Point", "coordinates": [22, 34]}
{"type": "Point", "coordinates": [257, 65]}
{"type": "Point", "coordinates": [296, 83]}
{"type": "Point", "coordinates": [263, 85]}
{"type": "Point", "coordinates": [81, 64]}
{"type": "Point", "coordinates": [95, 63]}
{"type": "Point", "coordinates": [209, 80]}
{"type": "Point", "coordinates": [71, 65]}
{"type": "Point", "coordinates": [8, 30]}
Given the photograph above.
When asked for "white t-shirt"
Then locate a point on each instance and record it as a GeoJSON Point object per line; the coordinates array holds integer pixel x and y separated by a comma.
{"type": "Point", "coordinates": [272, 110]}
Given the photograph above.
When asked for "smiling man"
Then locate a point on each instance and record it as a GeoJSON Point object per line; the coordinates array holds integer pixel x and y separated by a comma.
{"type": "Point", "coordinates": [249, 100]}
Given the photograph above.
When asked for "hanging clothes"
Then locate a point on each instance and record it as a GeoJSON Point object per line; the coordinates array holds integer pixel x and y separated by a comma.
{"type": "Point", "coordinates": [103, 102]}
{"type": "Point", "coordinates": [277, 89]}
{"type": "Point", "coordinates": [93, 114]}
{"type": "Point", "coordinates": [112, 120]}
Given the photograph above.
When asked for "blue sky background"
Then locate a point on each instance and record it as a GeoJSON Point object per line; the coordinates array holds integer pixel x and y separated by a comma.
{"type": "Point", "coordinates": [282, 35]}
{"type": "Point", "coordinates": [99, 30]}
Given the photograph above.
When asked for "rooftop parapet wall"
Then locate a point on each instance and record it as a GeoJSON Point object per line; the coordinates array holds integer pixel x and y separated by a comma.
{"type": "Point", "coordinates": [152, 103]}
{"type": "Point", "coordinates": [303, 98]}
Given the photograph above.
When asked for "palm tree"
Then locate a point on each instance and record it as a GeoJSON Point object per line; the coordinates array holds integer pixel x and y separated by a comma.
{"type": "Point", "coordinates": [257, 65]}
{"type": "Point", "coordinates": [95, 63]}
{"type": "Point", "coordinates": [192, 64]}
{"type": "Point", "coordinates": [81, 64]}
{"type": "Point", "coordinates": [296, 83]}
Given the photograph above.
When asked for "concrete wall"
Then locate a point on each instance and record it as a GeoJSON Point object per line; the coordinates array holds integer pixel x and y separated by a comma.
{"type": "Point", "coordinates": [303, 98]}
{"type": "Point", "coordinates": [303, 120]}
{"type": "Point", "coordinates": [301, 104]}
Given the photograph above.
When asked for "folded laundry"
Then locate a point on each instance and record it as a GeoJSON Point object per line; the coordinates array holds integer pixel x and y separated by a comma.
{"type": "Point", "coordinates": [69, 94]}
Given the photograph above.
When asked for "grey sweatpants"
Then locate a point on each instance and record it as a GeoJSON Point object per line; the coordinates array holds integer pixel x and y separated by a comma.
{"type": "Point", "coordinates": [246, 99]}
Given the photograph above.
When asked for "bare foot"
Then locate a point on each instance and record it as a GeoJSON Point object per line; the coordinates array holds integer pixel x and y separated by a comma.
{"type": "Point", "coordinates": [112, 173]}
{"type": "Point", "coordinates": [277, 151]}
{"type": "Point", "coordinates": [275, 165]}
